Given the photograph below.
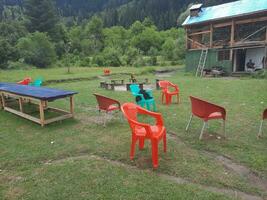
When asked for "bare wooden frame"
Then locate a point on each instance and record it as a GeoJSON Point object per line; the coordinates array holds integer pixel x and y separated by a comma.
{"type": "Point", "coordinates": [43, 105]}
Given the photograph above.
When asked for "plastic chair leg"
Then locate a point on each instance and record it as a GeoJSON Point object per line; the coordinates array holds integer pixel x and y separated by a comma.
{"type": "Point", "coordinates": [141, 144]}
{"type": "Point", "coordinates": [187, 127]}
{"type": "Point", "coordinates": [224, 129]}
{"type": "Point", "coordinates": [202, 131]}
{"type": "Point", "coordinates": [148, 105]}
{"type": "Point", "coordinates": [155, 153]}
{"type": "Point", "coordinates": [132, 148]}
{"type": "Point", "coordinates": [260, 130]}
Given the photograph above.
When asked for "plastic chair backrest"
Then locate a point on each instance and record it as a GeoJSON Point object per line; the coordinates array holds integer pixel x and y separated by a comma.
{"type": "Point", "coordinates": [130, 111]}
{"type": "Point", "coordinates": [264, 114]}
{"type": "Point", "coordinates": [164, 84]}
{"type": "Point", "coordinates": [38, 82]}
{"type": "Point", "coordinates": [203, 108]}
{"type": "Point", "coordinates": [134, 88]}
{"type": "Point", "coordinates": [25, 81]}
{"type": "Point", "coordinates": [105, 102]}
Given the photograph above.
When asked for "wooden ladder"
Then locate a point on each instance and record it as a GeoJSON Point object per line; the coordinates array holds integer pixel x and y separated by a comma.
{"type": "Point", "coordinates": [202, 62]}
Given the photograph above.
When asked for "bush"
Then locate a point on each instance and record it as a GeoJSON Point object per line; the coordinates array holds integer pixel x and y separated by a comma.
{"type": "Point", "coordinates": [98, 60]}
{"type": "Point", "coordinates": [261, 74]}
{"type": "Point", "coordinates": [112, 57]}
{"type": "Point", "coordinates": [36, 49]}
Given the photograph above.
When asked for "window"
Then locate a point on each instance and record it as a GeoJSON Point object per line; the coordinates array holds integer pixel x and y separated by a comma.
{"type": "Point", "coordinates": [224, 55]}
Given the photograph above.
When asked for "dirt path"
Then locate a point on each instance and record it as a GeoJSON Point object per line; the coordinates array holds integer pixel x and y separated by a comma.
{"type": "Point", "coordinates": [180, 181]}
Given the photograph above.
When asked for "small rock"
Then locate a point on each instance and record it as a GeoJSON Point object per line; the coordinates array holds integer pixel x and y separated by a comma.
{"type": "Point", "coordinates": [52, 142]}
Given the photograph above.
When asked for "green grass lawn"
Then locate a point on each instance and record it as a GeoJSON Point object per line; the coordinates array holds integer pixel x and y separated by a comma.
{"type": "Point", "coordinates": [80, 159]}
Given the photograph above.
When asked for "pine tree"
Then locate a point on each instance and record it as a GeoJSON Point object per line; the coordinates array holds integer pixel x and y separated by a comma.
{"type": "Point", "coordinates": [41, 16]}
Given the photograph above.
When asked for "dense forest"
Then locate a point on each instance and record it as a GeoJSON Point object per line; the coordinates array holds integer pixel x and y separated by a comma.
{"type": "Point", "coordinates": [92, 32]}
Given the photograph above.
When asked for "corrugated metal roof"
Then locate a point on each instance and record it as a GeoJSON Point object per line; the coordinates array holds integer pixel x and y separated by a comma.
{"type": "Point", "coordinates": [227, 10]}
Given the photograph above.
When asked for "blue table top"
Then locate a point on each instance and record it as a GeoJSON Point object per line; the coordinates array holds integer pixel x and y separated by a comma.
{"type": "Point", "coordinates": [41, 93]}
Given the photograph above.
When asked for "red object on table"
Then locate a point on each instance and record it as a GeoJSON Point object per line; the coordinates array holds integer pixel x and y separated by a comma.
{"type": "Point", "coordinates": [167, 93]}
{"type": "Point", "coordinates": [206, 111]}
{"type": "Point", "coordinates": [142, 131]}
{"type": "Point", "coordinates": [107, 105]}
{"type": "Point", "coordinates": [25, 81]}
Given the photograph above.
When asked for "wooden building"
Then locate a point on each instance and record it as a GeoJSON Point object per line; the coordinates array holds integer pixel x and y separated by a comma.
{"type": "Point", "coordinates": [232, 36]}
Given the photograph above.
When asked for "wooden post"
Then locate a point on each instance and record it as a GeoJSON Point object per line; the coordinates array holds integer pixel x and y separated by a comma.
{"type": "Point", "coordinates": [72, 106]}
{"type": "Point", "coordinates": [232, 40]}
{"type": "Point", "coordinates": [186, 38]}
{"type": "Point", "coordinates": [211, 35]}
{"type": "Point", "coordinates": [42, 117]}
{"type": "Point", "coordinates": [21, 104]}
{"type": "Point", "coordinates": [3, 100]}
{"type": "Point", "coordinates": [1, 104]}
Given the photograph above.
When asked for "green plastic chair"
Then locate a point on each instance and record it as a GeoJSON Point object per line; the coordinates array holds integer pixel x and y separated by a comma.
{"type": "Point", "coordinates": [37, 82]}
{"type": "Point", "coordinates": [143, 102]}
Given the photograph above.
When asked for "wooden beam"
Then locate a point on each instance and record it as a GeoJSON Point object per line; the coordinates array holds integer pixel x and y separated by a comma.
{"type": "Point", "coordinates": [222, 25]}
{"type": "Point", "coordinates": [186, 39]}
{"type": "Point", "coordinates": [60, 118]}
{"type": "Point", "coordinates": [232, 41]}
{"type": "Point", "coordinates": [24, 115]}
{"type": "Point", "coordinates": [199, 33]}
{"type": "Point", "coordinates": [211, 35]}
{"type": "Point", "coordinates": [246, 21]}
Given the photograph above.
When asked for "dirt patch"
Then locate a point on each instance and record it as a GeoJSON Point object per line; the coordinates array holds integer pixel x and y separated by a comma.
{"type": "Point", "coordinates": [241, 170]}
{"type": "Point", "coordinates": [208, 136]}
{"type": "Point", "coordinates": [177, 180]}
{"type": "Point", "coordinates": [14, 193]}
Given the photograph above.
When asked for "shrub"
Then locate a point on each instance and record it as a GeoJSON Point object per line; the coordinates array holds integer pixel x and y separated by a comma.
{"type": "Point", "coordinates": [36, 49]}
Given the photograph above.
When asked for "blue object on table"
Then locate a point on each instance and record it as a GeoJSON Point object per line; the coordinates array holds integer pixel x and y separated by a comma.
{"type": "Point", "coordinates": [42, 93]}
{"type": "Point", "coordinates": [37, 82]}
{"type": "Point", "coordinates": [142, 101]}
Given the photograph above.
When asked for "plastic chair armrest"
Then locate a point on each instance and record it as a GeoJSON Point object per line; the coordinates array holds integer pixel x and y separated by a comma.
{"type": "Point", "coordinates": [157, 116]}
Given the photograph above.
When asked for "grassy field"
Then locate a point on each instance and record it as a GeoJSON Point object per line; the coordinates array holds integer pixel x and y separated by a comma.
{"type": "Point", "coordinates": [80, 159]}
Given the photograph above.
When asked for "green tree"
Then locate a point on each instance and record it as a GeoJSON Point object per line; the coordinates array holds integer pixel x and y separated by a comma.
{"type": "Point", "coordinates": [147, 39]}
{"type": "Point", "coordinates": [6, 52]}
{"type": "Point", "coordinates": [41, 16]}
{"type": "Point", "coordinates": [36, 49]}
{"type": "Point", "coordinates": [94, 32]}
{"type": "Point", "coordinates": [137, 28]}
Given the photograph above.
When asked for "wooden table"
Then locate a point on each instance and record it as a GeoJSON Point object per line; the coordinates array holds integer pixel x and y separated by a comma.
{"type": "Point", "coordinates": [39, 96]}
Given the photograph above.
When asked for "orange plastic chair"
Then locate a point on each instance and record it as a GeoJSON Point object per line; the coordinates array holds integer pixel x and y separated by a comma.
{"type": "Point", "coordinates": [106, 72]}
{"type": "Point", "coordinates": [167, 93]}
{"type": "Point", "coordinates": [206, 111]}
{"type": "Point", "coordinates": [107, 105]}
{"type": "Point", "coordinates": [264, 116]}
{"type": "Point", "coordinates": [25, 81]}
{"type": "Point", "coordinates": [142, 131]}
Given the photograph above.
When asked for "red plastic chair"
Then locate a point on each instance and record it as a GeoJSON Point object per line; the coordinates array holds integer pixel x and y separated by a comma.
{"type": "Point", "coordinates": [142, 131]}
{"type": "Point", "coordinates": [264, 116]}
{"type": "Point", "coordinates": [206, 111]}
{"type": "Point", "coordinates": [167, 93]}
{"type": "Point", "coordinates": [107, 105]}
{"type": "Point", "coordinates": [25, 81]}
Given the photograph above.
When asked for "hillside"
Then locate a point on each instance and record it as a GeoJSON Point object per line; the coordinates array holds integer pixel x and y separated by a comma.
{"type": "Point", "coordinates": [164, 13]}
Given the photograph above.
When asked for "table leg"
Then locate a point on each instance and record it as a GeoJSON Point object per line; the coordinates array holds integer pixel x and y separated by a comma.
{"type": "Point", "coordinates": [42, 117]}
{"type": "Point", "coordinates": [72, 106]}
{"type": "Point", "coordinates": [21, 104]}
{"type": "Point", "coordinates": [3, 103]}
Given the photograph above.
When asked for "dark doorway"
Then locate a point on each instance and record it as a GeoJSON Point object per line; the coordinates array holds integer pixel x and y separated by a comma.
{"type": "Point", "coordinates": [240, 60]}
